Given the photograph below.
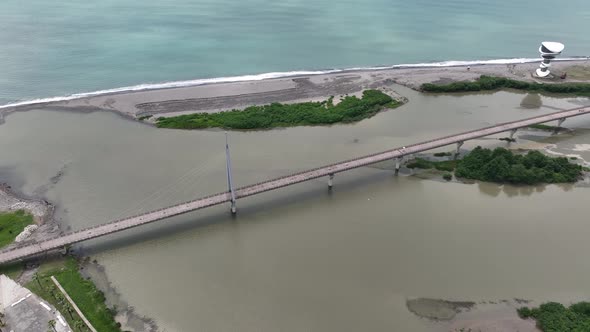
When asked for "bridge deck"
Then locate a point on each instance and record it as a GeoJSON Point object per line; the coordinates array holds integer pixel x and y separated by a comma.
{"type": "Point", "coordinates": [201, 203]}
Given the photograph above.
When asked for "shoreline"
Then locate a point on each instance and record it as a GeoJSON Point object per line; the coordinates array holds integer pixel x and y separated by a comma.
{"type": "Point", "coordinates": [48, 226]}
{"type": "Point", "coordinates": [41, 210]}
{"type": "Point", "coordinates": [483, 315]}
{"type": "Point", "coordinates": [218, 97]}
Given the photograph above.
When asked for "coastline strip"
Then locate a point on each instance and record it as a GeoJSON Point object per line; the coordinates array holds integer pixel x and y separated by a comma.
{"type": "Point", "coordinates": [328, 170]}
{"type": "Point", "coordinates": [271, 75]}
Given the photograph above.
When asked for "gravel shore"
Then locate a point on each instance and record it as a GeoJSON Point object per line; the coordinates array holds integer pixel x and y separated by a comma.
{"type": "Point", "coordinates": [224, 96]}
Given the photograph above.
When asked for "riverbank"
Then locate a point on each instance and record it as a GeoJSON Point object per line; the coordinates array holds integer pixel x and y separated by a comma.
{"type": "Point", "coordinates": [217, 97]}
{"type": "Point", "coordinates": [481, 316]}
{"type": "Point", "coordinates": [42, 212]}
{"type": "Point", "coordinates": [69, 269]}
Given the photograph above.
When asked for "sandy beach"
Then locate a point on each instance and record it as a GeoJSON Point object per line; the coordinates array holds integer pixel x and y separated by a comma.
{"type": "Point", "coordinates": [238, 95]}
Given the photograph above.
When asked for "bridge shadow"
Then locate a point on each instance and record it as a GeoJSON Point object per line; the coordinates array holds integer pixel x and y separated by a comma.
{"type": "Point", "coordinates": [344, 183]}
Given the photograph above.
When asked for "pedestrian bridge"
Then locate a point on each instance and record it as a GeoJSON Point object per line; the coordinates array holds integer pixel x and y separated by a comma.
{"type": "Point", "coordinates": [61, 241]}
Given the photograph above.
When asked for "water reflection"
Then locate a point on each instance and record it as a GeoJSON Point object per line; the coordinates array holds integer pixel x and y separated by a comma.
{"type": "Point", "coordinates": [493, 189]}
{"type": "Point", "coordinates": [531, 100]}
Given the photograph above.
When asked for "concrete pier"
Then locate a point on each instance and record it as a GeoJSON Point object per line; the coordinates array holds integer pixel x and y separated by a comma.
{"type": "Point", "coordinates": [458, 149]}
{"type": "Point", "coordinates": [512, 133]}
{"type": "Point", "coordinates": [398, 162]}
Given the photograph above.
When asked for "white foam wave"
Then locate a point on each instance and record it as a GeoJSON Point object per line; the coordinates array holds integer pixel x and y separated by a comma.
{"type": "Point", "coordinates": [265, 76]}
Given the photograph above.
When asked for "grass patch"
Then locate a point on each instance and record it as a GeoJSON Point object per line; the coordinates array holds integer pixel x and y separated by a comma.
{"type": "Point", "coordinates": [349, 109]}
{"type": "Point", "coordinates": [144, 117]}
{"type": "Point", "coordinates": [544, 127]}
{"type": "Point", "coordinates": [555, 317]}
{"type": "Point", "coordinates": [503, 166]}
{"type": "Point", "coordinates": [11, 224]}
{"type": "Point", "coordinates": [84, 293]}
{"type": "Point", "coordinates": [486, 83]}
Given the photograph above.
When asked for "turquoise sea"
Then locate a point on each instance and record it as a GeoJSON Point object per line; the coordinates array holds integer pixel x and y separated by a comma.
{"type": "Point", "coordinates": [61, 47]}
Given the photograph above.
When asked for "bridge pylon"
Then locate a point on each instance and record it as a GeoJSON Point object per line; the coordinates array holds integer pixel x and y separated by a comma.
{"type": "Point", "coordinates": [230, 182]}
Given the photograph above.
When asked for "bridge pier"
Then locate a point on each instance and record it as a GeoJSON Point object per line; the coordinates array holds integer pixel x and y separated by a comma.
{"type": "Point", "coordinates": [512, 132]}
{"type": "Point", "coordinates": [398, 162]}
{"type": "Point", "coordinates": [233, 207]}
{"type": "Point", "coordinates": [459, 145]}
{"type": "Point", "coordinates": [330, 178]}
{"type": "Point", "coordinates": [560, 122]}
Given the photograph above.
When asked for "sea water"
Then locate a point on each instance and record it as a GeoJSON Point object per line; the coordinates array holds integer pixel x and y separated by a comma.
{"type": "Point", "coordinates": [58, 48]}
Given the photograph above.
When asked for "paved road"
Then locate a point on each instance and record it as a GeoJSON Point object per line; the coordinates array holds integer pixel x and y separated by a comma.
{"type": "Point", "coordinates": [201, 203]}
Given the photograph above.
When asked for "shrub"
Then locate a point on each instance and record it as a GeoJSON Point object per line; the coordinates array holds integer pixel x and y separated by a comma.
{"type": "Point", "coordinates": [485, 83]}
{"type": "Point", "coordinates": [448, 176]}
{"type": "Point", "coordinates": [349, 109]}
{"type": "Point", "coordinates": [555, 317]}
{"type": "Point", "coordinates": [501, 165]}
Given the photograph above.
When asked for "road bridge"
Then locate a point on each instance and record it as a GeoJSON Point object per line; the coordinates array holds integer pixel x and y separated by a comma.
{"type": "Point", "coordinates": [232, 194]}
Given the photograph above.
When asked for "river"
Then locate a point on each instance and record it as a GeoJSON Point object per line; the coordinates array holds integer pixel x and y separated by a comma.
{"type": "Point", "coordinates": [303, 258]}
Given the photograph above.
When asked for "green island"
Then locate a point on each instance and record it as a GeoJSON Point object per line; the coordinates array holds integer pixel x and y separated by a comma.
{"type": "Point", "coordinates": [349, 109]}
{"type": "Point", "coordinates": [11, 224]}
{"type": "Point", "coordinates": [555, 317]}
{"type": "Point", "coordinates": [84, 293]}
{"type": "Point", "coordinates": [487, 83]}
{"type": "Point", "coordinates": [503, 166]}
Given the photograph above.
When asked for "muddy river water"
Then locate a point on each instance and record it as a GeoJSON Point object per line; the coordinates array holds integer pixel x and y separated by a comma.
{"type": "Point", "coordinates": [303, 258]}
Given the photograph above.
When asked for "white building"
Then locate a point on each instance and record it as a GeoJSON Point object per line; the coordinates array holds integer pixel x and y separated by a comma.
{"type": "Point", "coordinates": [548, 50]}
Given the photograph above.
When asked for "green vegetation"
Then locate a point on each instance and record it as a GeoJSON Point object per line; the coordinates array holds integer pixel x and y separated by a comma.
{"type": "Point", "coordinates": [501, 165]}
{"type": "Point", "coordinates": [544, 127]}
{"type": "Point", "coordinates": [84, 293]}
{"type": "Point", "coordinates": [144, 117]}
{"type": "Point", "coordinates": [447, 165]}
{"type": "Point", "coordinates": [443, 154]}
{"type": "Point", "coordinates": [554, 317]}
{"type": "Point", "coordinates": [13, 270]}
{"type": "Point", "coordinates": [448, 176]}
{"type": "Point", "coordinates": [11, 224]}
{"type": "Point", "coordinates": [485, 83]}
{"type": "Point", "coordinates": [349, 109]}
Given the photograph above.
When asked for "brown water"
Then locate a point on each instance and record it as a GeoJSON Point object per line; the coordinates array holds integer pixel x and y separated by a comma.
{"type": "Point", "coordinates": [303, 259]}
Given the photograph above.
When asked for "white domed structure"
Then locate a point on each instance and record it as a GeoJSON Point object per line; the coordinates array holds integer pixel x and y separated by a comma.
{"type": "Point", "coordinates": [548, 50]}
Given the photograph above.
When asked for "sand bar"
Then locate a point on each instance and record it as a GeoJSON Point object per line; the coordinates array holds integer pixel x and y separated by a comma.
{"type": "Point", "coordinates": [217, 97]}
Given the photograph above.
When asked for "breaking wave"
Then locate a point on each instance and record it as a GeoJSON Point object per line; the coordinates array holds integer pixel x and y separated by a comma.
{"type": "Point", "coordinates": [265, 76]}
